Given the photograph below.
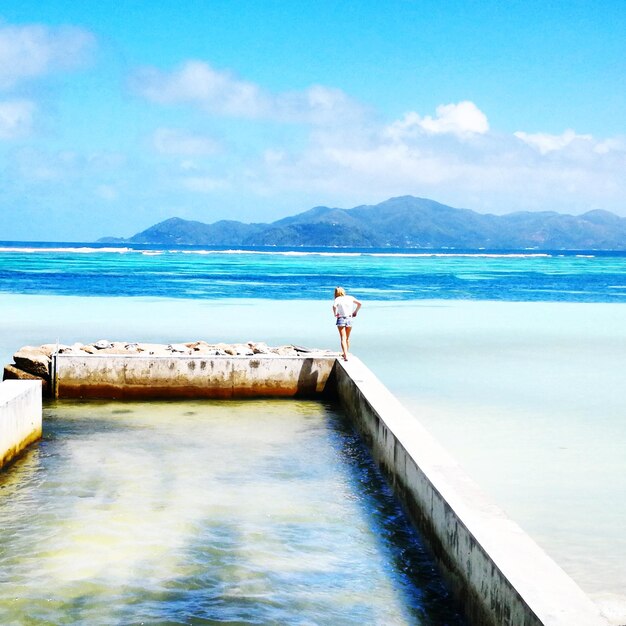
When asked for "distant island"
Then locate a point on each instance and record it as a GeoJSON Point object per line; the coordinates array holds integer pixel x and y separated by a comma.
{"type": "Point", "coordinates": [403, 222]}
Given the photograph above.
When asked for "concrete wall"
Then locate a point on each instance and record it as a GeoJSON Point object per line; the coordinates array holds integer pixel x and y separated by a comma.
{"type": "Point", "coordinates": [20, 416]}
{"type": "Point", "coordinates": [499, 575]}
{"type": "Point", "coordinates": [158, 377]}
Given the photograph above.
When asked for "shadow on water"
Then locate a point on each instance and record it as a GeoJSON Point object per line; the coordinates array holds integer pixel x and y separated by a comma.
{"type": "Point", "coordinates": [417, 575]}
{"type": "Point", "coordinates": [211, 598]}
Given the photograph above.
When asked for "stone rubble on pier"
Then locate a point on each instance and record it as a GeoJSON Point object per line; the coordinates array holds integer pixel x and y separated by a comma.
{"type": "Point", "coordinates": [35, 362]}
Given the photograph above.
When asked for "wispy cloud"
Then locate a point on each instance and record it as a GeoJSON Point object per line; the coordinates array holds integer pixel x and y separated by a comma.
{"type": "Point", "coordinates": [545, 143]}
{"type": "Point", "coordinates": [31, 51]}
{"type": "Point", "coordinates": [107, 192]}
{"type": "Point", "coordinates": [220, 92]}
{"type": "Point", "coordinates": [16, 118]}
{"type": "Point", "coordinates": [179, 142]}
{"type": "Point", "coordinates": [36, 166]}
{"type": "Point", "coordinates": [203, 184]}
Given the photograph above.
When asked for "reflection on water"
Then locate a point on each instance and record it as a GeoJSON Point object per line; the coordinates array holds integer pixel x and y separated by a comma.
{"type": "Point", "coordinates": [266, 512]}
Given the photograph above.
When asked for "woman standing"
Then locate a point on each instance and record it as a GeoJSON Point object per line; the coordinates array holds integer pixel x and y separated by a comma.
{"type": "Point", "coordinates": [344, 309]}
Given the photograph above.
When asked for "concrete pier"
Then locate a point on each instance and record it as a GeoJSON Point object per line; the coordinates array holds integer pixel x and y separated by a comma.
{"type": "Point", "coordinates": [167, 377]}
{"type": "Point", "coordinates": [20, 417]}
{"type": "Point", "coordinates": [497, 572]}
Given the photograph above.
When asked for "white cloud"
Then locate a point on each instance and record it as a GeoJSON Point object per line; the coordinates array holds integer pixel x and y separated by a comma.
{"type": "Point", "coordinates": [316, 105]}
{"type": "Point", "coordinates": [174, 141]}
{"type": "Point", "coordinates": [452, 157]}
{"type": "Point", "coordinates": [463, 119]}
{"type": "Point", "coordinates": [203, 184]}
{"type": "Point", "coordinates": [610, 145]}
{"type": "Point", "coordinates": [16, 118]}
{"type": "Point", "coordinates": [198, 83]}
{"type": "Point", "coordinates": [107, 192]}
{"type": "Point", "coordinates": [545, 143]}
{"type": "Point", "coordinates": [189, 165]}
{"type": "Point", "coordinates": [31, 51]}
{"type": "Point", "coordinates": [494, 172]}
{"type": "Point", "coordinates": [36, 166]}
{"type": "Point", "coordinates": [220, 92]}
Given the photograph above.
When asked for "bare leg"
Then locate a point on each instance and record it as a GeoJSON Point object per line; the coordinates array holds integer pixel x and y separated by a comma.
{"type": "Point", "coordinates": [348, 331]}
{"type": "Point", "coordinates": [344, 344]}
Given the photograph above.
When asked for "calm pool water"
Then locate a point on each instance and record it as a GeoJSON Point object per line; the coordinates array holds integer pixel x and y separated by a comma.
{"type": "Point", "coordinates": [259, 512]}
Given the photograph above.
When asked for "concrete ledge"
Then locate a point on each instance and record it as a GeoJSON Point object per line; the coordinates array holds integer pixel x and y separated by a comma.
{"type": "Point", "coordinates": [499, 575]}
{"type": "Point", "coordinates": [20, 417]}
{"type": "Point", "coordinates": [162, 377]}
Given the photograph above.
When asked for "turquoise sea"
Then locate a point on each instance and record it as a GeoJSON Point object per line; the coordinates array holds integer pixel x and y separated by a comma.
{"type": "Point", "coordinates": [280, 273]}
{"type": "Point", "coordinates": [513, 360]}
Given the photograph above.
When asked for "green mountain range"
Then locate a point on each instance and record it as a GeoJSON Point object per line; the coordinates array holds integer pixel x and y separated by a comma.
{"type": "Point", "coordinates": [403, 222]}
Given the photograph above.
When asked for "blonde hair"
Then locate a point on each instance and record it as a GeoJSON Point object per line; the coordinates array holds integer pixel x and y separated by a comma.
{"type": "Point", "coordinates": [339, 291]}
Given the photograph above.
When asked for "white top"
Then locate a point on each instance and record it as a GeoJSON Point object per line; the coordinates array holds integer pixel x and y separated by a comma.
{"type": "Point", "coordinates": [344, 306]}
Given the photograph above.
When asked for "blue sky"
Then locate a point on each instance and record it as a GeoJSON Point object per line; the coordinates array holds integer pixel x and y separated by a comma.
{"type": "Point", "coordinates": [114, 116]}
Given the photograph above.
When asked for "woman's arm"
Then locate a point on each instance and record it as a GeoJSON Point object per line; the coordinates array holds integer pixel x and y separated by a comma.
{"type": "Point", "coordinates": [358, 306]}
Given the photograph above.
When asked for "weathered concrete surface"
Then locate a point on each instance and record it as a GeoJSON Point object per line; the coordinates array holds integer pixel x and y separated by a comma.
{"type": "Point", "coordinates": [20, 417]}
{"type": "Point", "coordinates": [35, 362]}
{"type": "Point", "coordinates": [181, 376]}
{"type": "Point", "coordinates": [499, 575]}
